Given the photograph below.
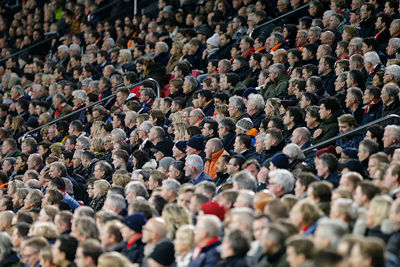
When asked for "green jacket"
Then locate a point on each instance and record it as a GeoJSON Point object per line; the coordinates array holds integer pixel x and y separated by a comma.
{"type": "Point", "coordinates": [277, 88]}
{"type": "Point", "coordinates": [329, 128]}
{"type": "Point", "coordinates": [276, 260]}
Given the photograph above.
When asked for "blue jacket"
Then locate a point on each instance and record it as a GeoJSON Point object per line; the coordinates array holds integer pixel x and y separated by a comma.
{"type": "Point", "coordinates": [202, 177]}
{"type": "Point", "coordinates": [73, 204]}
{"type": "Point", "coordinates": [350, 141]}
{"type": "Point", "coordinates": [333, 178]}
{"type": "Point", "coordinates": [209, 256]}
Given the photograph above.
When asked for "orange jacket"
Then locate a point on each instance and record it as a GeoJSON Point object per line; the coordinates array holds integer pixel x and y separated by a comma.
{"type": "Point", "coordinates": [210, 167]}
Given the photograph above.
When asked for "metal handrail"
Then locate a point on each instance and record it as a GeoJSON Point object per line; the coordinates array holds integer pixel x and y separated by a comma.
{"type": "Point", "coordinates": [50, 37]}
{"type": "Point", "coordinates": [105, 7]}
{"type": "Point", "coordinates": [88, 106]}
{"type": "Point", "coordinates": [280, 17]}
{"type": "Point", "coordinates": [356, 130]}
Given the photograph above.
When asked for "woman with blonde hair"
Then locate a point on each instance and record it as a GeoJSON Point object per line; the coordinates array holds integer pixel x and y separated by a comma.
{"type": "Point", "coordinates": [95, 130]}
{"type": "Point", "coordinates": [272, 107]}
{"type": "Point", "coordinates": [221, 111]}
{"type": "Point", "coordinates": [175, 216]}
{"type": "Point", "coordinates": [17, 127]}
{"type": "Point", "coordinates": [179, 131]}
{"type": "Point", "coordinates": [100, 188]}
{"type": "Point", "coordinates": [113, 259]}
{"type": "Point", "coordinates": [97, 146]}
{"type": "Point", "coordinates": [176, 54]}
{"type": "Point", "coordinates": [47, 230]}
{"type": "Point", "coordinates": [377, 217]}
{"type": "Point", "coordinates": [56, 149]}
{"type": "Point", "coordinates": [184, 245]}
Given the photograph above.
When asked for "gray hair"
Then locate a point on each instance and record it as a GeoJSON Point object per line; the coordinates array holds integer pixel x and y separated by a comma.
{"type": "Point", "coordinates": [257, 100]}
{"type": "Point", "coordinates": [278, 37]}
{"type": "Point", "coordinates": [87, 81]}
{"type": "Point", "coordinates": [248, 197]}
{"type": "Point", "coordinates": [94, 85]}
{"type": "Point", "coordinates": [348, 206]}
{"type": "Point", "coordinates": [395, 41]}
{"type": "Point", "coordinates": [283, 177]}
{"type": "Point", "coordinates": [277, 68]}
{"type": "Point", "coordinates": [395, 71]}
{"type": "Point", "coordinates": [245, 180]}
{"type": "Point", "coordinates": [196, 162]}
{"type": "Point", "coordinates": [304, 33]}
{"type": "Point", "coordinates": [226, 63]}
{"type": "Point", "coordinates": [228, 123]}
{"type": "Point", "coordinates": [163, 45]}
{"type": "Point", "coordinates": [394, 131]}
{"type": "Point", "coordinates": [332, 230]}
{"type": "Point", "coordinates": [109, 41]}
{"type": "Point", "coordinates": [85, 141]}
{"type": "Point", "coordinates": [329, 13]}
{"type": "Point", "coordinates": [316, 30]}
{"type": "Point", "coordinates": [6, 245]}
{"type": "Point", "coordinates": [261, 136]}
{"type": "Point", "coordinates": [117, 200]}
{"type": "Point", "coordinates": [138, 188]}
{"type": "Point", "coordinates": [119, 133]}
{"type": "Point", "coordinates": [294, 151]}
{"type": "Point", "coordinates": [238, 102]}
{"type": "Point", "coordinates": [198, 113]}
{"type": "Point", "coordinates": [372, 58]}
{"type": "Point", "coordinates": [391, 89]}
{"type": "Point", "coordinates": [212, 225]}
{"type": "Point", "coordinates": [74, 48]}
{"type": "Point", "coordinates": [172, 184]}
{"type": "Point", "coordinates": [357, 41]}
{"type": "Point", "coordinates": [63, 48]}
{"type": "Point", "coordinates": [246, 215]}
{"type": "Point", "coordinates": [146, 126]}
{"type": "Point", "coordinates": [192, 81]}
{"type": "Point", "coordinates": [80, 94]}
{"type": "Point", "coordinates": [208, 186]}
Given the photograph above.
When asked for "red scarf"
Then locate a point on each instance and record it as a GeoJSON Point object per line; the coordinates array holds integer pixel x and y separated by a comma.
{"type": "Point", "coordinates": [197, 250]}
{"type": "Point", "coordinates": [246, 55]}
{"type": "Point", "coordinates": [78, 107]}
{"type": "Point", "coordinates": [367, 107]}
{"type": "Point", "coordinates": [130, 244]}
{"type": "Point", "coordinates": [59, 109]}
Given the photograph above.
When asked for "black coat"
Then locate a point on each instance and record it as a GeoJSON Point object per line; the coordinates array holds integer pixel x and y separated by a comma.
{"type": "Point", "coordinates": [135, 252]}
{"type": "Point", "coordinates": [257, 118]}
{"type": "Point", "coordinates": [233, 261]}
{"type": "Point", "coordinates": [228, 141]}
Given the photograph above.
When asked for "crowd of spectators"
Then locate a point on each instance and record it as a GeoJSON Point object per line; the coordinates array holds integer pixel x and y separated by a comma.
{"type": "Point", "coordinates": [210, 168]}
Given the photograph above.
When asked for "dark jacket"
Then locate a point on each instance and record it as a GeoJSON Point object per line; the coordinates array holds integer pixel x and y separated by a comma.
{"type": "Point", "coordinates": [367, 27]}
{"type": "Point", "coordinates": [135, 252]}
{"type": "Point", "coordinates": [249, 153]}
{"type": "Point", "coordinates": [276, 260]}
{"type": "Point", "coordinates": [11, 260]}
{"type": "Point", "coordinates": [333, 178]}
{"type": "Point", "coordinates": [257, 119]}
{"type": "Point", "coordinates": [393, 108]}
{"type": "Point", "coordinates": [329, 127]}
{"type": "Point", "coordinates": [234, 261]}
{"type": "Point", "coordinates": [374, 112]}
{"type": "Point", "coordinates": [377, 232]}
{"type": "Point", "coordinates": [394, 244]}
{"type": "Point", "coordinates": [162, 59]}
{"type": "Point", "coordinates": [228, 141]}
{"type": "Point", "coordinates": [328, 81]}
{"type": "Point", "coordinates": [209, 256]}
{"type": "Point", "coordinates": [209, 109]}
{"type": "Point", "coordinates": [382, 39]}
{"type": "Point", "coordinates": [97, 203]}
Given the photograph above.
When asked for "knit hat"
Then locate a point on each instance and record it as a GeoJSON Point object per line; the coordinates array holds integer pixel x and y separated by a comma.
{"type": "Point", "coordinates": [248, 91]}
{"type": "Point", "coordinates": [32, 122]}
{"type": "Point", "coordinates": [213, 40]}
{"type": "Point", "coordinates": [181, 145]}
{"type": "Point", "coordinates": [135, 221]}
{"type": "Point", "coordinates": [214, 208]}
{"type": "Point", "coordinates": [164, 253]}
{"type": "Point", "coordinates": [280, 160]}
{"type": "Point", "coordinates": [351, 152]}
{"type": "Point", "coordinates": [166, 162]}
{"type": "Point", "coordinates": [245, 124]}
{"type": "Point", "coordinates": [353, 165]}
{"type": "Point", "coordinates": [196, 142]}
{"type": "Point", "coordinates": [165, 147]}
{"type": "Point", "coordinates": [329, 149]}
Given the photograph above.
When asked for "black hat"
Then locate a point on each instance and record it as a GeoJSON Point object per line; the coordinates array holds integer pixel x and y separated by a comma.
{"type": "Point", "coordinates": [165, 147]}
{"type": "Point", "coordinates": [353, 165]}
{"type": "Point", "coordinates": [59, 182]}
{"type": "Point", "coordinates": [181, 145]}
{"type": "Point", "coordinates": [32, 122]}
{"type": "Point", "coordinates": [196, 142]}
{"type": "Point", "coordinates": [164, 253]}
{"type": "Point", "coordinates": [135, 221]}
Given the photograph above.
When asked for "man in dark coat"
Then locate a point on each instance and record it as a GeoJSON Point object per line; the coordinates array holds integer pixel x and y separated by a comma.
{"type": "Point", "coordinates": [132, 235]}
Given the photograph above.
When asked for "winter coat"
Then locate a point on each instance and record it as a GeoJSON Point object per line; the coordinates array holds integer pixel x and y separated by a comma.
{"type": "Point", "coordinates": [277, 88]}
{"type": "Point", "coordinates": [210, 167]}
{"type": "Point", "coordinates": [329, 127]}
{"type": "Point", "coordinates": [209, 256]}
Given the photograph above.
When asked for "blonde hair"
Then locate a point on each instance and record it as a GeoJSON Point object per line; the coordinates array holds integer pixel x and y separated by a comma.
{"type": "Point", "coordinates": [309, 210]}
{"type": "Point", "coordinates": [113, 259]}
{"type": "Point", "coordinates": [186, 235]}
{"type": "Point", "coordinates": [102, 186]}
{"type": "Point", "coordinates": [176, 117]}
{"type": "Point", "coordinates": [57, 149]}
{"type": "Point", "coordinates": [51, 211]}
{"type": "Point", "coordinates": [175, 216]}
{"type": "Point", "coordinates": [275, 104]}
{"type": "Point", "coordinates": [96, 128]}
{"type": "Point", "coordinates": [47, 230]}
{"type": "Point", "coordinates": [180, 130]}
{"type": "Point", "coordinates": [121, 179]}
{"type": "Point", "coordinates": [97, 145]}
{"type": "Point", "coordinates": [18, 124]}
{"type": "Point", "coordinates": [381, 207]}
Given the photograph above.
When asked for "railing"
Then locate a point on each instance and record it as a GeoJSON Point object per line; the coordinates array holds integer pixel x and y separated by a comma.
{"type": "Point", "coordinates": [88, 106]}
{"type": "Point", "coordinates": [49, 38]}
{"type": "Point", "coordinates": [280, 17]}
{"type": "Point", "coordinates": [105, 7]}
{"type": "Point", "coordinates": [356, 130]}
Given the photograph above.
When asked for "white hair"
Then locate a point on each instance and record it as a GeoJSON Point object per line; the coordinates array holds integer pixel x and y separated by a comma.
{"type": "Point", "coordinates": [283, 177]}
{"type": "Point", "coordinates": [395, 42]}
{"type": "Point", "coordinates": [119, 133]}
{"type": "Point", "coordinates": [172, 184]}
{"type": "Point", "coordinates": [257, 100]}
{"type": "Point", "coordinates": [109, 41]}
{"type": "Point", "coordinates": [395, 71]}
{"type": "Point", "coordinates": [146, 126]}
{"type": "Point", "coordinates": [75, 48]}
{"type": "Point", "coordinates": [211, 224]}
{"type": "Point", "coordinates": [195, 161]}
{"type": "Point", "coordinates": [80, 94]}
{"type": "Point", "coordinates": [372, 58]}
{"type": "Point", "coordinates": [163, 46]}
{"type": "Point", "coordinates": [294, 151]}
{"type": "Point", "coordinates": [63, 48]}
{"type": "Point", "coordinates": [332, 230]}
